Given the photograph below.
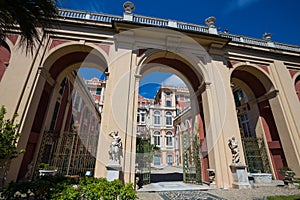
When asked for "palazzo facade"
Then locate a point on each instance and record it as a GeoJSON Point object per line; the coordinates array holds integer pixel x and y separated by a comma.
{"type": "Point", "coordinates": [239, 87]}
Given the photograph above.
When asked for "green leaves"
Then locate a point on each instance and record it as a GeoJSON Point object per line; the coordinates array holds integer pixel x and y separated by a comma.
{"type": "Point", "coordinates": [28, 15]}
{"type": "Point", "coordinates": [8, 138]}
{"type": "Point", "coordinates": [62, 188]}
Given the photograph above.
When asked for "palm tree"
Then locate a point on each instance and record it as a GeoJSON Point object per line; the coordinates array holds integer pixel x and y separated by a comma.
{"type": "Point", "coordinates": [27, 15]}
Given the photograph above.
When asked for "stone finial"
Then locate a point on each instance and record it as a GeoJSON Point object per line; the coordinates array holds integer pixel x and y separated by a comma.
{"type": "Point", "coordinates": [128, 7]}
{"type": "Point", "coordinates": [210, 22]}
{"type": "Point", "coordinates": [267, 36]}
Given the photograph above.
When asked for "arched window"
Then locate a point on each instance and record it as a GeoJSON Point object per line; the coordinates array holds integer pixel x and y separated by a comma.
{"type": "Point", "coordinates": [156, 118]}
{"type": "Point", "coordinates": [169, 119]}
{"type": "Point", "coordinates": [169, 139]}
{"type": "Point", "coordinates": [156, 138]}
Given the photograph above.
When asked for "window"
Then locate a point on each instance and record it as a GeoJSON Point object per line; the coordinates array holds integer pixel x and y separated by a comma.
{"type": "Point", "coordinates": [181, 97]}
{"type": "Point", "coordinates": [168, 94]}
{"type": "Point", "coordinates": [169, 139]}
{"type": "Point", "coordinates": [245, 125]}
{"type": "Point", "coordinates": [187, 98]}
{"type": "Point", "coordinates": [98, 91]}
{"type": "Point", "coordinates": [170, 159]}
{"type": "Point", "coordinates": [54, 116]}
{"type": "Point", "coordinates": [239, 97]}
{"type": "Point", "coordinates": [168, 103]}
{"type": "Point", "coordinates": [168, 119]}
{"type": "Point", "coordinates": [62, 86]}
{"type": "Point", "coordinates": [156, 160]}
{"type": "Point", "coordinates": [138, 118]}
{"type": "Point", "coordinates": [156, 138]}
{"type": "Point", "coordinates": [156, 118]}
{"type": "Point", "coordinates": [143, 117]}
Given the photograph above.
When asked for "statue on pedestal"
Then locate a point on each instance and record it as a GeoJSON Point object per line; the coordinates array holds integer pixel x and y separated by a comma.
{"type": "Point", "coordinates": [115, 147]}
{"type": "Point", "coordinates": [233, 145]}
{"type": "Point", "coordinates": [238, 170]}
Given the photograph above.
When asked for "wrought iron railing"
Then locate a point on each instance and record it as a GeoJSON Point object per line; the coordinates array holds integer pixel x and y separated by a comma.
{"type": "Point", "coordinates": [69, 153]}
{"type": "Point", "coordinates": [256, 155]}
{"type": "Point", "coordinates": [192, 172]}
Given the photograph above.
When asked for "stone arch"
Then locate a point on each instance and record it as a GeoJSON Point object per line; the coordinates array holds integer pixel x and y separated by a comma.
{"type": "Point", "coordinates": [191, 72]}
{"type": "Point", "coordinates": [259, 90]}
{"type": "Point", "coordinates": [152, 57]}
{"type": "Point", "coordinates": [73, 54]}
{"type": "Point", "coordinates": [57, 65]}
{"type": "Point", "coordinates": [264, 78]}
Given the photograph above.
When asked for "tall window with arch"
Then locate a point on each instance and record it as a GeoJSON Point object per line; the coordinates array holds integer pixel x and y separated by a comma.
{"type": "Point", "coordinates": [156, 118]}
{"type": "Point", "coordinates": [241, 102]}
{"type": "Point", "coordinates": [156, 138]}
{"type": "Point", "coordinates": [169, 139]}
{"type": "Point", "coordinates": [169, 121]}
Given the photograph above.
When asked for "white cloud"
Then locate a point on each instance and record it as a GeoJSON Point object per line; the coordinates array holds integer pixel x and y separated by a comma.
{"type": "Point", "coordinates": [239, 4]}
{"type": "Point", "coordinates": [173, 80]}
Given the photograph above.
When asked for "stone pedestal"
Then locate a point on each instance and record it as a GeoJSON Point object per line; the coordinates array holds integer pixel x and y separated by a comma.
{"type": "Point", "coordinates": [262, 177]}
{"type": "Point", "coordinates": [113, 171]}
{"type": "Point", "coordinates": [239, 175]}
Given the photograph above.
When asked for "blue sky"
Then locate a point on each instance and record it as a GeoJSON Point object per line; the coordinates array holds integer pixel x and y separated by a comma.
{"type": "Point", "coordinates": [243, 17]}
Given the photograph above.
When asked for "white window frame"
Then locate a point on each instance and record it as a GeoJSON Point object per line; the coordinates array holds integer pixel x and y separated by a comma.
{"type": "Point", "coordinates": [156, 118]}
{"type": "Point", "coordinates": [169, 116]}
{"type": "Point", "coordinates": [169, 139]}
{"type": "Point", "coordinates": [157, 138]}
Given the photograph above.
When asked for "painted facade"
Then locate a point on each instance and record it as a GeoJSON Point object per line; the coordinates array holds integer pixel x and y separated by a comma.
{"type": "Point", "coordinates": [213, 65]}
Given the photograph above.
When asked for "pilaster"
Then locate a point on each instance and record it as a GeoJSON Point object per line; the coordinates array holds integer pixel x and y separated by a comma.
{"type": "Point", "coordinates": [220, 122]}
{"type": "Point", "coordinates": [285, 107]}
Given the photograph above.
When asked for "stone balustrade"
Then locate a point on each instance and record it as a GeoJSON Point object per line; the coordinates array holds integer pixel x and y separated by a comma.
{"type": "Point", "coordinates": [72, 14]}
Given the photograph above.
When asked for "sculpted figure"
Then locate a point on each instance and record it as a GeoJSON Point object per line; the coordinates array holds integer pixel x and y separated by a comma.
{"type": "Point", "coordinates": [115, 147]}
{"type": "Point", "coordinates": [233, 145]}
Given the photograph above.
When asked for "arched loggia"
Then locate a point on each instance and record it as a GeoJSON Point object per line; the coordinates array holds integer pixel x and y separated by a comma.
{"type": "Point", "coordinates": [252, 90]}
{"type": "Point", "coordinates": [57, 94]}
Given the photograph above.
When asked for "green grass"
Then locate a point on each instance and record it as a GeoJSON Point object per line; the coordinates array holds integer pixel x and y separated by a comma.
{"type": "Point", "coordinates": [290, 197]}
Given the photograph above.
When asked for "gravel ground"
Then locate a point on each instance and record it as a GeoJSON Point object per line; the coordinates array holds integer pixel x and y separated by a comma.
{"type": "Point", "coordinates": [234, 194]}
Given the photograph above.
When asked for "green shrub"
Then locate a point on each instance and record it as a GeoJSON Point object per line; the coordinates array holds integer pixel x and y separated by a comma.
{"type": "Point", "coordinates": [69, 192]}
{"type": "Point", "coordinates": [128, 192]}
{"type": "Point", "coordinates": [62, 188]}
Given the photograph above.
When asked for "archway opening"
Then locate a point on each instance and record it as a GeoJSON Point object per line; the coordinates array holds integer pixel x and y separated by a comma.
{"type": "Point", "coordinates": [170, 127]}
{"type": "Point", "coordinates": [66, 127]}
{"type": "Point", "coordinates": [261, 142]}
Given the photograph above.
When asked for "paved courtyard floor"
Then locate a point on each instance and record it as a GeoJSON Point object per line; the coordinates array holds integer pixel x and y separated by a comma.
{"type": "Point", "coordinates": [181, 191]}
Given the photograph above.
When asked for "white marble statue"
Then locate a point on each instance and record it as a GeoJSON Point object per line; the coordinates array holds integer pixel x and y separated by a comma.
{"type": "Point", "coordinates": [115, 147]}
